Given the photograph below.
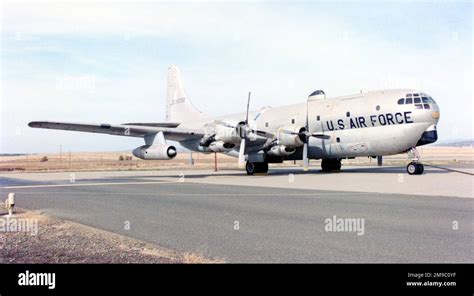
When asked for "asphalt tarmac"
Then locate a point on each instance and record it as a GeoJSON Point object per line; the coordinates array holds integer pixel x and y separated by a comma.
{"type": "Point", "coordinates": [267, 222]}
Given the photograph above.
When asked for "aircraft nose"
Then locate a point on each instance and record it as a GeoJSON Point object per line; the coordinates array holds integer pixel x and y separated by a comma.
{"type": "Point", "coordinates": [431, 107]}
{"type": "Point", "coordinates": [435, 114]}
{"type": "Point", "coordinates": [429, 136]}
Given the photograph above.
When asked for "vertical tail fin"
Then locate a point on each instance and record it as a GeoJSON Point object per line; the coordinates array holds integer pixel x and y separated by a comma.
{"type": "Point", "coordinates": [178, 107]}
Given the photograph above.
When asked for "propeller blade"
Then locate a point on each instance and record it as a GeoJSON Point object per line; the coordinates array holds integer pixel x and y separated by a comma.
{"type": "Point", "coordinates": [305, 157]}
{"type": "Point", "coordinates": [321, 136]}
{"type": "Point", "coordinates": [242, 154]}
{"type": "Point", "coordinates": [264, 134]}
{"type": "Point", "coordinates": [223, 123]}
{"type": "Point", "coordinates": [248, 105]}
{"type": "Point", "coordinates": [307, 120]}
{"type": "Point", "coordinates": [244, 136]}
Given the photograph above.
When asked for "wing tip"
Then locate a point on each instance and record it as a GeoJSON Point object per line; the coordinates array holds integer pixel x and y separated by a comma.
{"type": "Point", "coordinates": [37, 123]}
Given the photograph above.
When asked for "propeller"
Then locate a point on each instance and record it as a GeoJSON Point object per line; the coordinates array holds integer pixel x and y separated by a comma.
{"type": "Point", "coordinates": [244, 136]}
{"type": "Point", "coordinates": [244, 130]}
{"type": "Point", "coordinates": [305, 142]}
{"type": "Point", "coordinates": [247, 130]}
{"type": "Point", "coordinates": [306, 135]}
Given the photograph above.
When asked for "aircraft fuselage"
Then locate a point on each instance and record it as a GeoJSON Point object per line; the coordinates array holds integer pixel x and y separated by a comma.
{"type": "Point", "coordinates": [366, 124]}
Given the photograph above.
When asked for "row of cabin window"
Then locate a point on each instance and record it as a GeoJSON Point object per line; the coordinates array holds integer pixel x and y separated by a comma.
{"type": "Point", "coordinates": [292, 122]}
{"type": "Point", "coordinates": [318, 118]}
{"type": "Point", "coordinates": [418, 105]}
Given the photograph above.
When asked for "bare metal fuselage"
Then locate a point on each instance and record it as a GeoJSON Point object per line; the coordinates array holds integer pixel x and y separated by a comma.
{"type": "Point", "coordinates": [367, 124]}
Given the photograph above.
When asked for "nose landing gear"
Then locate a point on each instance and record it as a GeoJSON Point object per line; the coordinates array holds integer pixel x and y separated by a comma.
{"type": "Point", "coordinates": [415, 167]}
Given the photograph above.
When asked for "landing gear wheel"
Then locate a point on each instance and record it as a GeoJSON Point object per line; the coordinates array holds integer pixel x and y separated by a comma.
{"type": "Point", "coordinates": [328, 165]}
{"type": "Point", "coordinates": [421, 169]}
{"type": "Point", "coordinates": [262, 167]}
{"type": "Point", "coordinates": [414, 168]}
{"type": "Point", "coordinates": [256, 167]}
{"type": "Point", "coordinates": [325, 165]}
{"type": "Point", "coordinates": [250, 168]}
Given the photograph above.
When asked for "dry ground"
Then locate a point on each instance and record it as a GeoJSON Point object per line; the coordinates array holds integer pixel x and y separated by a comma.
{"type": "Point", "coordinates": [88, 161]}
{"type": "Point", "coordinates": [61, 241]}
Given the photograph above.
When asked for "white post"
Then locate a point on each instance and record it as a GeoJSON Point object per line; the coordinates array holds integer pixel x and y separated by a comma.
{"type": "Point", "coordinates": [10, 203]}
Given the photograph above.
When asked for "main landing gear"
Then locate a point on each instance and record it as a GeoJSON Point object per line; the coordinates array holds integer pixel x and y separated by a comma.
{"type": "Point", "coordinates": [328, 165]}
{"type": "Point", "coordinates": [256, 167]}
{"type": "Point", "coordinates": [415, 167]}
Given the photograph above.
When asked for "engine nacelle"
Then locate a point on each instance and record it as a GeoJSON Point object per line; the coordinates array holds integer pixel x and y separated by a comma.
{"type": "Point", "coordinates": [286, 138]}
{"type": "Point", "coordinates": [158, 152]}
{"type": "Point", "coordinates": [227, 134]}
{"type": "Point", "coordinates": [220, 146]}
{"type": "Point", "coordinates": [280, 150]}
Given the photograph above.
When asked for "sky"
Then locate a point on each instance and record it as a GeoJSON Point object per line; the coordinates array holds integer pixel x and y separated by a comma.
{"type": "Point", "coordinates": [107, 62]}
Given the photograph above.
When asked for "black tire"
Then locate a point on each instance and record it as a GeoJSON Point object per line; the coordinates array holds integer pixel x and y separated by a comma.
{"type": "Point", "coordinates": [412, 168]}
{"type": "Point", "coordinates": [263, 167]}
{"type": "Point", "coordinates": [328, 165]}
{"type": "Point", "coordinates": [421, 169]}
{"type": "Point", "coordinates": [258, 168]}
{"type": "Point", "coordinates": [250, 168]}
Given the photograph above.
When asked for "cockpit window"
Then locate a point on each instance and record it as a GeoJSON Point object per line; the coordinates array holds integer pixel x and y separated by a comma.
{"type": "Point", "coordinates": [428, 99]}
{"type": "Point", "coordinates": [421, 100]}
{"type": "Point", "coordinates": [401, 101]}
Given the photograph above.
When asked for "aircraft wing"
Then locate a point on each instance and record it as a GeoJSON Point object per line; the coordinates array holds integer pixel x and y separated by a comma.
{"type": "Point", "coordinates": [155, 124]}
{"type": "Point", "coordinates": [127, 130]}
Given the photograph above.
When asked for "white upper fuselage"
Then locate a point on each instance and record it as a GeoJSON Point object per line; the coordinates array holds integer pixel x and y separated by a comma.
{"type": "Point", "coordinates": [366, 124]}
